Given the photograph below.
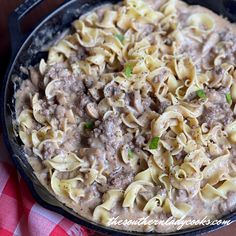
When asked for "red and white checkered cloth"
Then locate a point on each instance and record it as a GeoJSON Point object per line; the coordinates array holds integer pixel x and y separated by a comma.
{"type": "Point", "coordinates": [20, 215]}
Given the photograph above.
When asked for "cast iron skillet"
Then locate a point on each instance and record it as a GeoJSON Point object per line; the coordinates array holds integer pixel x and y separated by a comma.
{"type": "Point", "coordinates": [26, 50]}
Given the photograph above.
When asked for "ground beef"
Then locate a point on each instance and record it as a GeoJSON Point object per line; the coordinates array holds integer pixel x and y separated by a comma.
{"type": "Point", "coordinates": [58, 70]}
{"type": "Point", "coordinates": [60, 112]}
{"type": "Point", "coordinates": [82, 101]}
{"type": "Point", "coordinates": [80, 54]}
{"type": "Point", "coordinates": [212, 40]}
{"type": "Point", "coordinates": [162, 74]}
{"type": "Point", "coordinates": [228, 204]}
{"type": "Point", "coordinates": [92, 193]}
{"type": "Point", "coordinates": [48, 110]}
{"type": "Point", "coordinates": [191, 97]}
{"type": "Point", "coordinates": [128, 137]}
{"type": "Point", "coordinates": [110, 133]}
{"type": "Point", "coordinates": [23, 95]}
{"type": "Point", "coordinates": [139, 141]}
{"type": "Point", "coordinates": [151, 191]}
{"type": "Point", "coordinates": [147, 29]}
{"type": "Point", "coordinates": [121, 179]}
{"type": "Point", "coordinates": [71, 144]}
{"type": "Point", "coordinates": [216, 109]}
{"type": "Point", "coordinates": [161, 106]}
{"type": "Point", "coordinates": [233, 153]}
{"type": "Point", "coordinates": [229, 46]}
{"type": "Point", "coordinates": [112, 90]}
{"type": "Point", "coordinates": [77, 86]}
{"type": "Point", "coordinates": [48, 150]}
{"type": "Point", "coordinates": [181, 195]}
{"type": "Point", "coordinates": [93, 154]}
{"type": "Point", "coordinates": [191, 48]}
{"type": "Point", "coordinates": [89, 81]}
{"type": "Point", "coordinates": [181, 155]}
{"type": "Point", "coordinates": [35, 77]}
{"type": "Point", "coordinates": [148, 103]}
{"type": "Point", "coordinates": [147, 195]}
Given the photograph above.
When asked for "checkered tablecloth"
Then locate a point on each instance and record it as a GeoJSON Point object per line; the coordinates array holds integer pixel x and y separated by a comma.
{"type": "Point", "coordinates": [20, 215]}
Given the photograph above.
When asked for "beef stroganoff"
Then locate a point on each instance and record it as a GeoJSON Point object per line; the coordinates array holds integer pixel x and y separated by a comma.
{"type": "Point", "coordinates": [133, 114]}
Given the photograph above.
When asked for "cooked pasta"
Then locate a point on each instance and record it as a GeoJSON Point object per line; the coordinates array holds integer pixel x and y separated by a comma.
{"type": "Point", "coordinates": [133, 114]}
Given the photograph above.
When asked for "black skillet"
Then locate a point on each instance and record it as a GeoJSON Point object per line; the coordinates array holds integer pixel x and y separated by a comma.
{"type": "Point", "coordinates": [26, 50]}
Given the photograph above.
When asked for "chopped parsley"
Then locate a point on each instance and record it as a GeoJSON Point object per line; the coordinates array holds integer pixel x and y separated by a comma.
{"type": "Point", "coordinates": [120, 37]}
{"type": "Point", "coordinates": [201, 93]}
{"type": "Point", "coordinates": [89, 125]}
{"type": "Point", "coordinates": [154, 143]}
{"type": "Point", "coordinates": [228, 98]}
{"type": "Point", "coordinates": [128, 71]}
{"type": "Point", "coordinates": [130, 154]}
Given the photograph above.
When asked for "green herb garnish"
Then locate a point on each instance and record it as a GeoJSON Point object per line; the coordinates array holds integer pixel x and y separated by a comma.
{"type": "Point", "coordinates": [120, 37]}
{"type": "Point", "coordinates": [154, 143]}
{"type": "Point", "coordinates": [130, 154]}
{"type": "Point", "coordinates": [128, 71]}
{"type": "Point", "coordinates": [201, 93]}
{"type": "Point", "coordinates": [228, 98]}
{"type": "Point", "coordinates": [89, 125]}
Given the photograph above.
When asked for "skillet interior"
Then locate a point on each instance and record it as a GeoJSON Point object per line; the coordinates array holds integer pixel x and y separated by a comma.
{"type": "Point", "coordinates": [30, 54]}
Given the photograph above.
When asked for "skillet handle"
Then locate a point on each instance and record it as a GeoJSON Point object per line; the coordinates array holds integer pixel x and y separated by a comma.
{"type": "Point", "coordinates": [16, 35]}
